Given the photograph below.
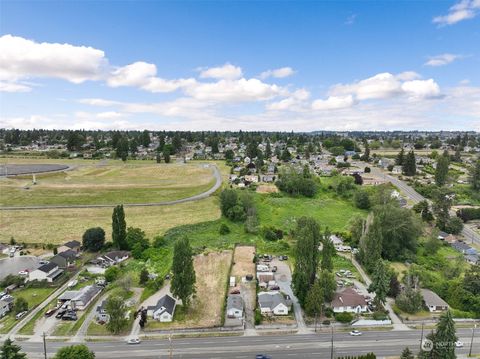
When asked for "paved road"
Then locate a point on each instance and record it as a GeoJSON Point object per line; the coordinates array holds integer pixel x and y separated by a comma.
{"type": "Point", "coordinates": [468, 233]}
{"type": "Point", "coordinates": [318, 345]}
{"type": "Point", "coordinates": [218, 183]}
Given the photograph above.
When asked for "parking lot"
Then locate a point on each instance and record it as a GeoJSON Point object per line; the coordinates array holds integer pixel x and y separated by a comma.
{"type": "Point", "coordinates": [17, 264]}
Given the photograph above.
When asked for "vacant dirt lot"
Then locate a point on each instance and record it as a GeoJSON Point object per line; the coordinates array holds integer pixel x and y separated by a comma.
{"type": "Point", "coordinates": [267, 188]}
{"type": "Point", "coordinates": [243, 261]}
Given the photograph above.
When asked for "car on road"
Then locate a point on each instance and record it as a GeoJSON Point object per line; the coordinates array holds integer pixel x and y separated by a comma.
{"type": "Point", "coordinates": [355, 333]}
{"type": "Point", "coordinates": [458, 344]}
{"type": "Point", "coordinates": [133, 341]}
{"type": "Point", "coordinates": [20, 315]}
{"type": "Point", "coordinates": [262, 356]}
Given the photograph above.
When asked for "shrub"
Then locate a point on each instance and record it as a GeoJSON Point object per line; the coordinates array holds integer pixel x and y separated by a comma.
{"type": "Point", "coordinates": [159, 241]}
{"type": "Point", "coordinates": [362, 200]}
{"type": "Point", "coordinates": [344, 317]}
{"type": "Point", "coordinates": [467, 214]}
{"type": "Point", "coordinates": [272, 233]}
{"type": "Point", "coordinates": [224, 229]}
{"type": "Point", "coordinates": [111, 274]}
{"type": "Point", "coordinates": [368, 170]}
{"type": "Point", "coordinates": [454, 225]}
{"type": "Point", "coordinates": [258, 317]}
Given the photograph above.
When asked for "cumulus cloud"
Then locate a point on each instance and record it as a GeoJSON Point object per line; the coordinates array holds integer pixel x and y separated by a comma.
{"type": "Point", "coordinates": [226, 72]}
{"type": "Point", "coordinates": [442, 60]}
{"type": "Point", "coordinates": [22, 59]}
{"type": "Point", "coordinates": [333, 103]}
{"type": "Point", "coordinates": [143, 75]}
{"type": "Point", "coordinates": [294, 101]}
{"type": "Point", "coordinates": [277, 73]}
{"type": "Point", "coordinates": [386, 85]}
{"type": "Point", "coordinates": [6, 86]}
{"type": "Point", "coordinates": [463, 10]}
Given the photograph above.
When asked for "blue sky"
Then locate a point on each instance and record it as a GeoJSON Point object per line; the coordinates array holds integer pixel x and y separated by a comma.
{"type": "Point", "coordinates": [251, 65]}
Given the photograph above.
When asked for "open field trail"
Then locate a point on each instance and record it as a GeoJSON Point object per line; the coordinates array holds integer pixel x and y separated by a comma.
{"type": "Point", "coordinates": [205, 194]}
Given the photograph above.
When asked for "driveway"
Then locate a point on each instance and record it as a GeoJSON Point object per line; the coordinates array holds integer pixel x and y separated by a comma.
{"type": "Point", "coordinates": [283, 276]}
{"type": "Point", "coordinates": [17, 264]}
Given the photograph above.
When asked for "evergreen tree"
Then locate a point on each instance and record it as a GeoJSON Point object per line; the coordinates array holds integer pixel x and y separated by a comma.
{"type": "Point", "coordinates": [445, 336]}
{"type": "Point", "coordinates": [143, 276]}
{"type": "Point", "coordinates": [409, 166]}
{"type": "Point", "coordinates": [475, 176]}
{"type": "Point", "coordinates": [119, 228]}
{"type": "Point", "coordinates": [268, 150]}
{"type": "Point", "coordinates": [442, 202]}
{"type": "Point", "coordinates": [407, 354]}
{"type": "Point", "coordinates": [183, 279]}
{"type": "Point", "coordinates": [380, 283]}
{"type": "Point", "coordinates": [400, 158]}
{"type": "Point", "coordinates": [11, 351]}
{"type": "Point", "coordinates": [328, 251]}
{"type": "Point", "coordinates": [441, 172]}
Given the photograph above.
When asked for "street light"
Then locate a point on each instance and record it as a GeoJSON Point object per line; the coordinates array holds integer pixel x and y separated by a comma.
{"type": "Point", "coordinates": [471, 341]}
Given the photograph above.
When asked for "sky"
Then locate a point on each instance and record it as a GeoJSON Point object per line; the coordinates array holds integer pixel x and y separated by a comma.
{"type": "Point", "coordinates": [225, 65]}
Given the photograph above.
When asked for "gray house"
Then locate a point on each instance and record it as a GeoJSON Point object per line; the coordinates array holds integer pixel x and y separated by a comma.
{"type": "Point", "coordinates": [64, 259]}
{"type": "Point", "coordinates": [235, 306]}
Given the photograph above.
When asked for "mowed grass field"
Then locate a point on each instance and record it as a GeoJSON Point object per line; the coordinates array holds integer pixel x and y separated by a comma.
{"type": "Point", "coordinates": [60, 225]}
{"type": "Point", "coordinates": [106, 182]}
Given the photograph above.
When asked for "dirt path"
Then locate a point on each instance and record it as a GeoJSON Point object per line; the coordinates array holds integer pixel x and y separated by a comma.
{"type": "Point", "coordinates": [218, 183]}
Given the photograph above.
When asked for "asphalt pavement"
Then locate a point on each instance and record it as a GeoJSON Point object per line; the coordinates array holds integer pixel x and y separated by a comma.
{"type": "Point", "coordinates": [383, 343]}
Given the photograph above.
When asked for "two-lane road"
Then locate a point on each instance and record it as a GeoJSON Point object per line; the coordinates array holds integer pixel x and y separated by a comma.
{"type": "Point", "coordinates": [383, 343]}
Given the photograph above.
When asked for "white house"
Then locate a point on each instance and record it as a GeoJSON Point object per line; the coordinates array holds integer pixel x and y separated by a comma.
{"type": "Point", "coordinates": [6, 305]}
{"type": "Point", "coordinates": [272, 303]}
{"type": "Point", "coordinates": [348, 300]}
{"type": "Point", "coordinates": [164, 309]}
{"type": "Point", "coordinates": [48, 272]}
{"type": "Point", "coordinates": [235, 306]}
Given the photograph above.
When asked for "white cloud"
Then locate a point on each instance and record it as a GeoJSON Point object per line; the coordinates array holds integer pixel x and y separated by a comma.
{"type": "Point", "coordinates": [226, 72]}
{"type": "Point", "coordinates": [98, 102]}
{"type": "Point", "coordinates": [294, 101]}
{"type": "Point", "coordinates": [463, 10]}
{"type": "Point", "coordinates": [442, 60]}
{"type": "Point", "coordinates": [351, 19]}
{"type": "Point", "coordinates": [420, 89]}
{"type": "Point", "coordinates": [22, 58]}
{"type": "Point", "coordinates": [6, 86]}
{"type": "Point", "coordinates": [234, 91]}
{"type": "Point", "coordinates": [278, 73]}
{"type": "Point", "coordinates": [143, 75]}
{"type": "Point", "coordinates": [386, 85]}
{"type": "Point", "coordinates": [333, 103]}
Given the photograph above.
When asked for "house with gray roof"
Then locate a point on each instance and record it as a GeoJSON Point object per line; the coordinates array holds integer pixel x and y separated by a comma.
{"type": "Point", "coordinates": [164, 310]}
{"type": "Point", "coordinates": [235, 306]}
{"type": "Point", "coordinates": [65, 259]}
{"type": "Point", "coordinates": [433, 302]}
{"type": "Point", "coordinates": [47, 272]}
{"type": "Point", "coordinates": [80, 299]}
{"type": "Point", "coordinates": [272, 303]}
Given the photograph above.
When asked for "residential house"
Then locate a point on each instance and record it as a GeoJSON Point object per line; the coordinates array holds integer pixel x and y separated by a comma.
{"type": "Point", "coordinates": [47, 272]}
{"type": "Point", "coordinates": [80, 299]}
{"type": "Point", "coordinates": [397, 170]}
{"type": "Point", "coordinates": [433, 302]}
{"type": "Point", "coordinates": [101, 314]}
{"type": "Point", "coordinates": [268, 178]}
{"type": "Point", "coordinates": [65, 259]}
{"type": "Point", "coordinates": [6, 305]}
{"type": "Point", "coordinates": [464, 248]}
{"type": "Point", "coordinates": [348, 300]}
{"type": "Point", "coordinates": [235, 306]}
{"type": "Point", "coordinates": [112, 258]}
{"type": "Point", "coordinates": [72, 245]}
{"type": "Point", "coordinates": [472, 259]}
{"type": "Point", "coordinates": [164, 310]}
{"type": "Point", "coordinates": [251, 178]}
{"type": "Point", "coordinates": [272, 303]}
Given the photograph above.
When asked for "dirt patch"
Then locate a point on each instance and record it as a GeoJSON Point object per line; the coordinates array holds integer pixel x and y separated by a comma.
{"type": "Point", "coordinates": [267, 188]}
{"type": "Point", "coordinates": [243, 261]}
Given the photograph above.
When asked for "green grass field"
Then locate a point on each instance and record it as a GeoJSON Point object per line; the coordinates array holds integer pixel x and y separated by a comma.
{"type": "Point", "coordinates": [110, 183]}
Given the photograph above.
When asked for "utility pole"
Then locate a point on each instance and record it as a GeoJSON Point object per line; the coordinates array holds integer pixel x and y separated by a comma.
{"type": "Point", "coordinates": [421, 336]}
{"type": "Point", "coordinates": [44, 346]}
{"type": "Point", "coordinates": [331, 350]}
{"type": "Point", "coordinates": [471, 341]}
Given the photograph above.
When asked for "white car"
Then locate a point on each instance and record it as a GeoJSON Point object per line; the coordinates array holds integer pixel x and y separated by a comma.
{"type": "Point", "coordinates": [458, 344]}
{"type": "Point", "coordinates": [23, 272]}
{"type": "Point", "coordinates": [133, 341]}
{"type": "Point", "coordinates": [355, 333]}
{"type": "Point", "coordinates": [20, 315]}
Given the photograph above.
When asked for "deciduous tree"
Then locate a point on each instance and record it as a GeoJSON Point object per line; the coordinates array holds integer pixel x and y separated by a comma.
{"type": "Point", "coordinates": [183, 279]}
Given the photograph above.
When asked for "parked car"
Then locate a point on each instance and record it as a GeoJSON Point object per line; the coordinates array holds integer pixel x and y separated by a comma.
{"type": "Point", "coordinates": [355, 333]}
{"type": "Point", "coordinates": [42, 262]}
{"type": "Point", "coordinates": [274, 269]}
{"type": "Point", "coordinates": [60, 314]}
{"type": "Point", "coordinates": [69, 315]}
{"type": "Point", "coordinates": [262, 356]}
{"type": "Point", "coordinates": [274, 287]}
{"type": "Point", "coordinates": [459, 344]}
{"type": "Point", "coordinates": [235, 291]}
{"type": "Point", "coordinates": [23, 272]}
{"type": "Point", "coordinates": [50, 312]}
{"type": "Point", "coordinates": [133, 341]}
{"type": "Point", "coordinates": [20, 315]}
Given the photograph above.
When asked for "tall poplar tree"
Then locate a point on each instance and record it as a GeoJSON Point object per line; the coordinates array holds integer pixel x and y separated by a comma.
{"type": "Point", "coordinates": [119, 228]}
{"type": "Point", "coordinates": [409, 166]}
{"type": "Point", "coordinates": [441, 172]}
{"type": "Point", "coordinates": [183, 279]}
